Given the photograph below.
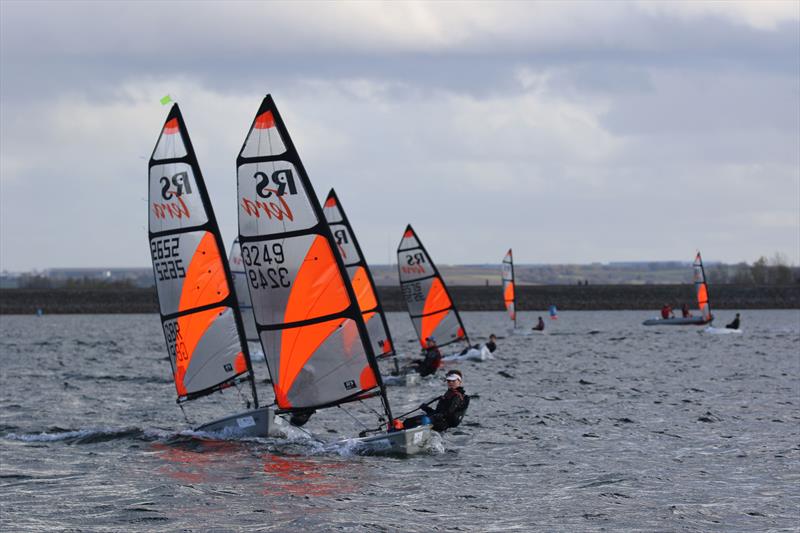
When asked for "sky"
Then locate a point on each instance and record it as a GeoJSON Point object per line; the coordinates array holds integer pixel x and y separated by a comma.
{"type": "Point", "coordinates": [572, 132]}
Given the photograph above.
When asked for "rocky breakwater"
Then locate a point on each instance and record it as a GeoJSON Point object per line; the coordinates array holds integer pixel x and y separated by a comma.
{"type": "Point", "coordinates": [467, 298]}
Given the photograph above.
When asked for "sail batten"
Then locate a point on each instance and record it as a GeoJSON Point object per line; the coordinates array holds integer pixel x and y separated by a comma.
{"type": "Point", "coordinates": [306, 311]}
{"type": "Point", "coordinates": [200, 318]}
{"type": "Point", "coordinates": [349, 250]}
{"type": "Point", "coordinates": [428, 301]}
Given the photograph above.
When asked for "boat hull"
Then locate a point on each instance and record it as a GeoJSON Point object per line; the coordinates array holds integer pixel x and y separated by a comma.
{"type": "Point", "coordinates": [252, 423]}
{"type": "Point", "coordinates": [688, 321]}
{"type": "Point", "coordinates": [405, 442]}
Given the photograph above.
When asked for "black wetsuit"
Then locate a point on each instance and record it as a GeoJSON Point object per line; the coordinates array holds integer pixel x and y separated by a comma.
{"type": "Point", "coordinates": [430, 364]}
{"type": "Point", "coordinates": [734, 324]}
{"type": "Point", "coordinates": [448, 412]}
{"type": "Point", "coordinates": [492, 346]}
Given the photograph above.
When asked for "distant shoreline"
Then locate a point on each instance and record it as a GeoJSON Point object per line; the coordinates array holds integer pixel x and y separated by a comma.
{"type": "Point", "coordinates": [467, 298]}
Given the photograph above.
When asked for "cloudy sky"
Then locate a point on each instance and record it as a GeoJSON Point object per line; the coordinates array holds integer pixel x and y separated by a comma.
{"type": "Point", "coordinates": [573, 132]}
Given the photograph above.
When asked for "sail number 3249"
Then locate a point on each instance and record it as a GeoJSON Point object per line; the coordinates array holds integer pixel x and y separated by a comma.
{"type": "Point", "coordinates": [263, 262]}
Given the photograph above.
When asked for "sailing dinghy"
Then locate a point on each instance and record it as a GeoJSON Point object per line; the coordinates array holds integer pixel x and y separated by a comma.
{"type": "Point", "coordinates": [701, 288]}
{"type": "Point", "coordinates": [509, 287]}
{"type": "Point", "coordinates": [199, 313]}
{"type": "Point", "coordinates": [364, 286]}
{"type": "Point", "coordinates": [306, 312]}
{"type": "Point", "coordinates": [429, 303]}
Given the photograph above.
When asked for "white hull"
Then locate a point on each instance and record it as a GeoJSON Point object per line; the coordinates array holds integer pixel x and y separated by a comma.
{"type": "Point", "coordinates": [405, 442]}
{"type": "Point", "coordinates": [721, 331]}
{"type": "Point", "coordinates": [253, 423]}
{"type": "Point", "coordinates": [472, 354]}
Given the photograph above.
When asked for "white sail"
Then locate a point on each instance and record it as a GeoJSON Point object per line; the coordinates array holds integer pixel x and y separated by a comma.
{"type": "Point", "coordinates": [306, 313]}
{"type": "Point", "coordinates": [199, 314]}
{"type": "Point", "coordinates": [429, 304]}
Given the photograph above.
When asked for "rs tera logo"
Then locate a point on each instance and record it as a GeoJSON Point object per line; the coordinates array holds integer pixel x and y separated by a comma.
{"type": "Point", "coordinates": [181, 183]}
{"type": "Point", "coordinates": [416, 259]}
{"type": "Point", "coordinates": [349, 384]}
{"type": "Point", "coordinates": [282, 179]}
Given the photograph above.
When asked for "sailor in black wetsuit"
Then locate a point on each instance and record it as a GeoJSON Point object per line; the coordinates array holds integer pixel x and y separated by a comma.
{"type": "Point", "coordinates": [449, 410]}
{"type": "Point", "coordinates": [734, 324]}
{"type": "Point", "coordinates": [432, 360]}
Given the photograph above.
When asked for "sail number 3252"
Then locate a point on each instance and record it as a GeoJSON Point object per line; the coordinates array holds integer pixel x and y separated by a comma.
{"type": "Point", "coordinates": [263, 262]}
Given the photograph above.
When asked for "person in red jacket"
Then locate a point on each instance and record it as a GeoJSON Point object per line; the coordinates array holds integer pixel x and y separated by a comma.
{"type": "Point", "coordinates": [666, 312]}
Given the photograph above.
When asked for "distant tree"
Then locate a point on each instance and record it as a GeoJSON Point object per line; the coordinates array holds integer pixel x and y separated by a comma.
{"type": "Point", "coordinates": [781, 273]}
{"type": "Point", "coordinates": [759, 271]}
{"type": "Point", "coordinates": [742, 274]}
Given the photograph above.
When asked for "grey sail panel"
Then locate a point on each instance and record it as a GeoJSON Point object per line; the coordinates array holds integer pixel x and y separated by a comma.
{"type": "Point", "coordinates": [199, 315]}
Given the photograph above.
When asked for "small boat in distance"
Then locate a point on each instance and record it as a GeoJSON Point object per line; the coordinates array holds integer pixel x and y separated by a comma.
{"type": "Point", "coordinates": [199, 313]}
{"type": "Point", "coordinates": [429, 303]}
{"type": "Point", "coordinates": [509, 295]}
{"type": "Point", "coordinates": [307, 315]}
{"type": "Point", "coordinates": [701, 289]}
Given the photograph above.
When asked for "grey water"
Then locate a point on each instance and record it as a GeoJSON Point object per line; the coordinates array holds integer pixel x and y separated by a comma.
{"type": "Point", "coordinates": [600, 424]}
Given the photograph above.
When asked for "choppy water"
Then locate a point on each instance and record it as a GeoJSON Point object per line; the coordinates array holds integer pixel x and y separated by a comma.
{"type": "Point", "coordinates": [601, 424]}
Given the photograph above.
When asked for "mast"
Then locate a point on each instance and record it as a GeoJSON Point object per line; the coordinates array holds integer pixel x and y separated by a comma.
{"type": "Point", "coordinates": [348, 248]}
{"type": "Point", "coordinates": [200, 317]}
{"type": "Point", "coordinates": [429, 302]}
{"type": "Point", "coordinates": [307, 316]}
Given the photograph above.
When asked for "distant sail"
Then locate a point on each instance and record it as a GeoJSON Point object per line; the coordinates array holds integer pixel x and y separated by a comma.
{"type": "Point", "coordinates": [242, 292]}
{"type": "Point", "coordinates": [701, 287]}
{"type": "Point", "coordinates": [199, 314]}
{"type": "Point", "coordinates": [429, 304]}
{"type": "Point", "coordinates": [509, 287]}
{"type": "Point", "coordinates": [364, 286]}
{"type": "Point", "coordinates": [307, 316]}
{"type": "Point", "coordinates": [553, 312]}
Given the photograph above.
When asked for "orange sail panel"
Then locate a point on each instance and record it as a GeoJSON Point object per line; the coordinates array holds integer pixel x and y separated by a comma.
{"type": "Point", "coordinates": [429, 304]}
{"type": "Point", "coordinates": [306, 311]}
{"type": "Point", "coordinates": [199, 314]}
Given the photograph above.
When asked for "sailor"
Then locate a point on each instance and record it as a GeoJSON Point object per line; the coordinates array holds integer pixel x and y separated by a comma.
{"type": "Point", "coordinates": [431, 362]}
{"type": "Point", "coordinates": [539, 326]}
{"type": "Point", "coordinates": [491, 345]}
{"type": "Point", "coordinates": [734, 324]}
{"type": "Point", "coordinates": [450, 408]}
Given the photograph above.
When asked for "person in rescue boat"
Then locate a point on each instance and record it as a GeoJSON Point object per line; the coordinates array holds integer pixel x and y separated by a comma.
{"type": "Point", "coordinates": [685, 311]}
{"type": "Point", "coordinates": [450, 408]}
{"type": "Point", "coordinates": [431, 361]}
{"type": "Point", "coordinates": [666, 312]}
